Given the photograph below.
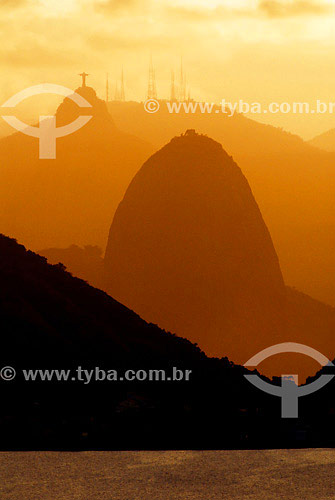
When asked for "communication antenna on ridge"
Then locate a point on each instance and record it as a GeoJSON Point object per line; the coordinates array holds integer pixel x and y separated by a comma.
{"type": "Point", "coordinates": [182, 83]}
{"type": "Point", "coordinates": [107, 88]}
{"type": "Point", "coordinates": [122, 96]}
{"type": "Point", "coordinates": [173, 87]}
{"type": "Point", "coordinates": [152, 91]}
{"type": "Point", "coordinates": [117, 93]}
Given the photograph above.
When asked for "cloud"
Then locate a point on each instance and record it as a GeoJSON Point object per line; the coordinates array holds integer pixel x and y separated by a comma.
{"type": "Point", "coordinates": [106, 42]}
{"type": "Point", "coordinates": [12, 4]}
{"type": "Point", "coordinates": [112, 6]}
{"type": "Point", "coordinates": [276, 8]}
{"type": "Point", "coordinates": [43, 57]}
{"type": "Point", "coordinates": [267, 8]}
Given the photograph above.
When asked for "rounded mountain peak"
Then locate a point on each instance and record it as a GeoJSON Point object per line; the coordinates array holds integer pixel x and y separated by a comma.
{"type": "Point", "coordinates": [68, 110]}
{"type": "Point", "coordinates": [188, 250]}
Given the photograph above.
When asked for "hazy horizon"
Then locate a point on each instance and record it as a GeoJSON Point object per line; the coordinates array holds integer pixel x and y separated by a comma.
{"type": "Point", "coordinates": [231, 50]}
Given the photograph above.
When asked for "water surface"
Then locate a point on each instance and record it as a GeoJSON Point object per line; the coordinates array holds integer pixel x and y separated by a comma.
{"type": "Point", "coordinates": [168, 475]}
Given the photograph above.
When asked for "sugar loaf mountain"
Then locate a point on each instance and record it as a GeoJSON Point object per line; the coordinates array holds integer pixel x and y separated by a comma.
{"type": "Point", "coordinates": [189, 250]}
{"type": "Point", "coordinates": [293, 183]}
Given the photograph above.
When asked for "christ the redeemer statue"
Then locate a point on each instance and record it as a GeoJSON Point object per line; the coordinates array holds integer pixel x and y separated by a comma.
{"type": "Point", "coordinates": [84, 75]}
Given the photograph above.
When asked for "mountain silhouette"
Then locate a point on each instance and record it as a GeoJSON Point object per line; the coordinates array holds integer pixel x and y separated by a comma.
{"type": "Point", "coordinates": [292, 181]}
{"type": "Point", "coordinates": [86, 263]}
{"type": "Point", "coordinates": [188, 249]}
{"type": "Point", "coordinates": [49, 315]}
{"type": "Point", "coordinates": [69, 200]}
{"type": "Point", "coordinates": [325, 141]}
{"type": "Point", "coordinates": [51, 320]}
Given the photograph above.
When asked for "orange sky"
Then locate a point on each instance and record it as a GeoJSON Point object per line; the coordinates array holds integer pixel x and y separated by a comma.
{"type": "Point", "coordinates": [256, 50]}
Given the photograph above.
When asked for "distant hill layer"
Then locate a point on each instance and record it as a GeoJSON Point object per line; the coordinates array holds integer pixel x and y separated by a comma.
{"type": "Point", "coordinates": [71, 199]}
{"type": "Point", "coordinates": [325, 141]}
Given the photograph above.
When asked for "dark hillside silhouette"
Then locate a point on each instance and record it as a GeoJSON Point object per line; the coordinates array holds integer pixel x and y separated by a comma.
{"type": "Point", "coordinates": [48, 315]}
{"type": "Point", "coordinates": [86, 263]}
{"type": "Point", "coordinates": [52, 320]}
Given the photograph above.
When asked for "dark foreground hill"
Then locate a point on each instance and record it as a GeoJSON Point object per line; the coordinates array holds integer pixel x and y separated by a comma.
{"type": "Point", "coordinates": [51, 320]}
{"type": "Point", "coordinates": [49, 316]}
{"type": "Point", "coordinates": [86, 263]}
